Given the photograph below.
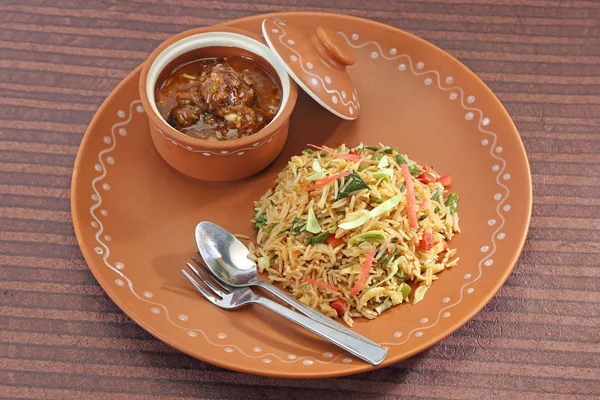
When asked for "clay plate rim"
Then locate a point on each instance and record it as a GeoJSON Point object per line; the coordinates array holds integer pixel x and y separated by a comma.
{"type": "Point", "coordinates": [358, 367]}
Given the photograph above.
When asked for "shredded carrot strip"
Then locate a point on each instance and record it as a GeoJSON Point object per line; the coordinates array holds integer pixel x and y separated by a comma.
{"type": "Point", "coordinates": [347, 157]}
{"type": "Point", "coordinates": [410, 196]}
{"type": "Point", "coordinates": [322, 284]}
{"type": "Point", "coordinates": [325, 181]}
{"type": "Point", "coordinates": [365, 271]}
{"type": "Point", "coordinates": [424, 203]}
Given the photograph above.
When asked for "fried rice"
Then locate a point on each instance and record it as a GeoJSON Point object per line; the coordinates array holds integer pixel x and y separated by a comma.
{"type": "Point", "coordinates": [353, 232]}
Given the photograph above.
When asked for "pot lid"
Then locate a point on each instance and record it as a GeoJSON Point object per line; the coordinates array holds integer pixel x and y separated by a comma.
{"type": "Point", "coordinates": [317, 61]}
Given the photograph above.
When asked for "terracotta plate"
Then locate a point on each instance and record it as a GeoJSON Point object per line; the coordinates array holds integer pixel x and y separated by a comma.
{"type": "Point", "coordinates": [134, 216]}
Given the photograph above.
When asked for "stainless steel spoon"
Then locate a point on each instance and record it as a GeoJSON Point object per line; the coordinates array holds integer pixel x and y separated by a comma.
{"type": "Point", "coordinates": [229, 260]}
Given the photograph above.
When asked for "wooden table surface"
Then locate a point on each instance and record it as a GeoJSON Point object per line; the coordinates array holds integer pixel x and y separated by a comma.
{"type": "Point", "coordinates": [62, 338]}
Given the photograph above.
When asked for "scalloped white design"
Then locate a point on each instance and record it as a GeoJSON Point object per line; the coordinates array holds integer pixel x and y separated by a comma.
{"type": "Point", "coordinates": [207, 153]}
{"type": "Point", "coordinates": [316, 80]}
{"type": "Point", "coordinates": [103, 250]}
{"type": "Point", "coordinates": [493, 152]}
{"type": "Point", "coordinates": [117, 267]}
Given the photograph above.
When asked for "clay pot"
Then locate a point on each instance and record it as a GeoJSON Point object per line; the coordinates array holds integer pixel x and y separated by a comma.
{"type": "Point", "coordinates": [211, 160]}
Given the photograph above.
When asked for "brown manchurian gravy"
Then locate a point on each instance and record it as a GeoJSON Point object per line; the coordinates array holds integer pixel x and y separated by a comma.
{"type": "Point", "coordinates": [218, 98]}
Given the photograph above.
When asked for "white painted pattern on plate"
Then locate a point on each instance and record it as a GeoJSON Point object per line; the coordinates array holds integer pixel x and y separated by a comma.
{"type": "Point", "coordinates": [155, 307]}
{"type": "Point", "coordinates": [481, 121]}
{"type": "Point", "coordinates": [307, 360]}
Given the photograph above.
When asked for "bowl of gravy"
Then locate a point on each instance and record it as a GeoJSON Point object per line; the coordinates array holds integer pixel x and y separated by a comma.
{"type": "Point", "coordinates": [218, 103]}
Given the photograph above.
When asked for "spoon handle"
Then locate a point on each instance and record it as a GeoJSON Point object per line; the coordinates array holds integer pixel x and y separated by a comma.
{"type": "Point", "coordinates": [368, 352]}
{"type": "Point", "coordinates": [309, 311]}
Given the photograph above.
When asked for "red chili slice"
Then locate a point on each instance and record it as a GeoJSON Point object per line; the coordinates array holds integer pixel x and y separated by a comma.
{"type": "Point", "coordinates": [427, 242]}
{"type": "Point", "coordinates": [339, 306]}
{"type": "Point", "coordinates": [426, 178]}
{"type": "Point", "coordinates": [445, 180]}
{"type": "Point", "coordinates": [333, 241]}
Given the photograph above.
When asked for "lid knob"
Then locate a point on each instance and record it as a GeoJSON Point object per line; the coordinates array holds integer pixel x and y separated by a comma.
{"type": "Point", "coordinates": [330, 45]}
{"type": "Point", "coordinates": [317, 59]}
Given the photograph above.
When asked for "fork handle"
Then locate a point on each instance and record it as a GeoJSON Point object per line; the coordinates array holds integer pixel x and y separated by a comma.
{"type": "Point", "coordinates": [309, 311]}
{"type": "Point", "coordinates": [368, 352]}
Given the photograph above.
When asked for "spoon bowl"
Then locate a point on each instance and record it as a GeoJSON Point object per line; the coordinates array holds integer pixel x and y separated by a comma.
{"type": "Point", "coordinates": [226, 256]}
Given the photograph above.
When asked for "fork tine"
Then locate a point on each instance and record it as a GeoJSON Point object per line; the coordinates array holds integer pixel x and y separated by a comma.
{"type": "Point", "coordinates": [217, 281]}
{"type": "Point", "coordinates": [199, 287]}
{"type": "Point", "coordinates": [206, 281]}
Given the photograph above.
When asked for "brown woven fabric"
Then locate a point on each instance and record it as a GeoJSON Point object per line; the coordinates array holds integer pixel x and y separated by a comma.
{"type": "Point", "coordinates": [62, 338]}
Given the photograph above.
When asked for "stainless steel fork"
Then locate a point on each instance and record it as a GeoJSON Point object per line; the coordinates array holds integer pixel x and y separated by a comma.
{"type": "Point", "coordinates": [228, 297]}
